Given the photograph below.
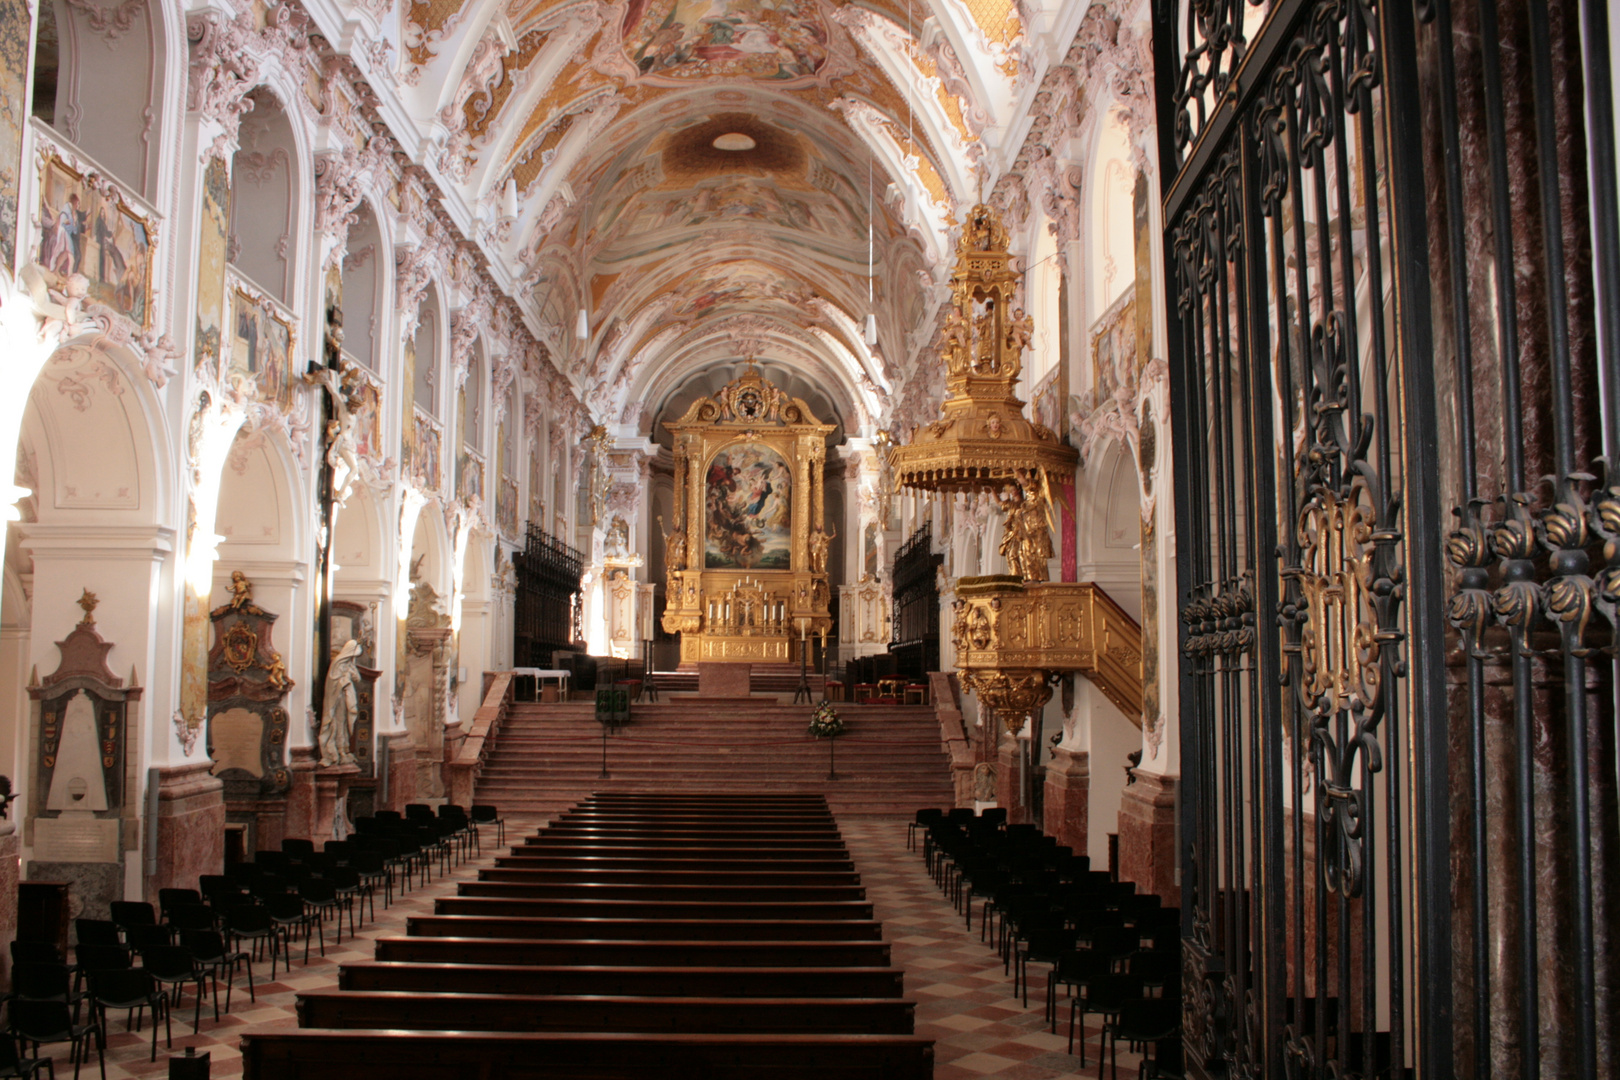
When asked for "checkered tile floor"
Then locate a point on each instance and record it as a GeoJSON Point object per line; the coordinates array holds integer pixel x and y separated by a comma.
{"type": "Point", "coordinates": [964, 1002]}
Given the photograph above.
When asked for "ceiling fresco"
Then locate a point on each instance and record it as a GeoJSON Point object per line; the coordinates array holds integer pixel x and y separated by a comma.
{"type": "Point", "coordinates": [681, 164]}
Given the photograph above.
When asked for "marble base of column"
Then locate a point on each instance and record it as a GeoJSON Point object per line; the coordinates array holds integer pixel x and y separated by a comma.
{"type": "Point", "coordinates": [190, 827]}
{"type": "Point", "coordinates": [10, 872]}
{"type": "Point", "coordinates": [1068, 793]}
{"type": "Point", "coordinates": [1147, 836]}
{"type": "Point", "coordinates": [301, 795]}
{"type": "Point", "coordinates": [331, 791]}
{"type": "Point", "coordinates": [402, 769]}
{"type": "Point", "coordinates": [1009, 787]}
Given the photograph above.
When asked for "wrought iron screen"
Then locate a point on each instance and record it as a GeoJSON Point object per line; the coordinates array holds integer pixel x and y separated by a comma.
{"type": "Point", "coordinates": [1393, 296]}
{"type": "Point", "coordinates": [915, 641]}
{"type": "Point", "coordinates": [546, 616]}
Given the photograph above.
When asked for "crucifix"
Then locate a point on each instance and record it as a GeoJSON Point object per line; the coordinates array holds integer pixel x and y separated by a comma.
{"type": "Point", "coordinates": [339, 464]}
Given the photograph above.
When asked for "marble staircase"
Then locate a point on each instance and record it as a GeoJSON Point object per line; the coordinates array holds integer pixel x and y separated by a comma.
{"type": "Point", "coordinates": [548, 757]}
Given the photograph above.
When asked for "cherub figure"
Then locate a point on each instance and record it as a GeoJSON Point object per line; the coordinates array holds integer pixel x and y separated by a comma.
{"type": "Point", "coordinates": [241, 591]}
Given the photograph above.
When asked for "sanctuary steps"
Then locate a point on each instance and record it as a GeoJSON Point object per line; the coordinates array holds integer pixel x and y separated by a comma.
{"type": "Point", "coordinates": [549, 757]}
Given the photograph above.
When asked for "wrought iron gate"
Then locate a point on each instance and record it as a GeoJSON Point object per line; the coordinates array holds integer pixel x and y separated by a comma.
{"type": "Point", "coordinates": [1394, 298]}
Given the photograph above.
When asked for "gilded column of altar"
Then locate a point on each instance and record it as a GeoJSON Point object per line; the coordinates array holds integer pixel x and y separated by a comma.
{"type": "Point", "coordinates": [679, 509]}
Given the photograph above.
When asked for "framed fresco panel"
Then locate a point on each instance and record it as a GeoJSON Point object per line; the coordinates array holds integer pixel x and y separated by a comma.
{"type": "Point", "coordinates": [366, 405]}
{"type": "Point", "coordinates": [86, 227]}
{"type": "Point", "coordinates": [261, 353]}
{"type": "Point", "coordinates": [212, 241]}
{"type": "Point", "coordinates": [425, 452]}
{"type": "Point", "coordinates": [15, 30]}
{"type": "Point", "coordinates": [1113, 349]}
{"type": "Point", "coordinates": [749, 491]}
{"type": "Point", "coordinates": [506, 507]}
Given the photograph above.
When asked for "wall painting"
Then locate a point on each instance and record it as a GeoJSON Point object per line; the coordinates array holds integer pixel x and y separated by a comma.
{"type": "Point", "coordinates": [213, 239]}
{"type": "Point", "coordinates": [261, 349]}
{"type": "Point", "coordinates": [749, 494]}
{"type": "Point", "coordinates": [86, 228]}
{"type": "Point", "coordinates": [15, 29]}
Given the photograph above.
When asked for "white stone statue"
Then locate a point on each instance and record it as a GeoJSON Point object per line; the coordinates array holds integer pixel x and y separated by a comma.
{"type": "Point", "coordinates": [342, 705]}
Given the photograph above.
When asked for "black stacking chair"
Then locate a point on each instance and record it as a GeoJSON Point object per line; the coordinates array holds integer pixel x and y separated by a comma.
{"type": "Point", "coordinates": [35, 952]}
{"type": "Point", "coordinates": [209, 950]}
{"type": "Point", "coordinates": [142, 938]}
{"type": "Point", "coordinates": [131, 989]}
{"type": "Point", "coordinates": [45, 982]}
{"type": "Point", "coordinates": [923, 820]}
{"type": "Point", "coordinates": [1104, 995]}
{"type": "Point", "coordinates": [297, 848]}
{"type": "Point", "coordinates": [41, 1022]}
{"type": "Point", "coordinates": [128, 913]}
{"type": "Point", "coordinates": [1141, 1022]}
{"type": "Point", "coordinates": [349, 888]}
{"type": "Point", "coordinates": [94, 958]}
{"type": "Point", "coordinates": [289, 913]}
{"type": "Point", "coordinates": [251, 922]}
{"type": "Point", "coordinates": [97, 932]}
{"type": "Point", "coordinates": [371, 868]}
{"type": "Point", "coordinates": [169, 899]}
{"type": "Point", "coordinates": [320, 897]}
{"type": "Point", "coordinates": [485, 814]}
{"type": "Point", "coordinates": [173, 966]}
{"type": "Point", "coordinates": [13, 1066]}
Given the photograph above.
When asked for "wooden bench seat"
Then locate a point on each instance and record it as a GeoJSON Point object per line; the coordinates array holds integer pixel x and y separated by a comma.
{"type": "Point", "coordinates": [502, 1012]}
{"type": "Point", "coordinates": [423, 1055]}
{"type": "Point", "coordinates": [674, 860]}
{"type": "Point", "coordinates": [721, 910]}
{"type": "Point", "coordinates": [720, 829]}
{"type": "Point", "coordinates": [587, 890]}
{"type": "Point", "coordinates": [546, 842]}
{"type": "Point", "coordinates": [855, 982]}
{"type": "Point", "coordinates": [604, 929]}
{"type": "Point", "coordinates": [637, 953]}
{"type": "Point", "coordinates": [673, 877]}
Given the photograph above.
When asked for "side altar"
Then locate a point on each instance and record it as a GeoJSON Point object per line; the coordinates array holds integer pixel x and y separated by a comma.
{"type": "Point", "coordinates": [747, 552]}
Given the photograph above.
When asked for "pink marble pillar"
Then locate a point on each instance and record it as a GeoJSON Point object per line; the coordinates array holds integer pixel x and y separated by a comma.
{"type": "Point", "coordinates": [1147, 836]}
{"type": "Point", "coordinates": [1068, 791]}
{"type": "Point", "coordinates": [190, 827]}
{"type": "Point", "coordinates": [1008, 789]}
{"type": "Point", "coordinates": [10, 874]}
{"type": "Point", "coordinates": [301, 795]}
{"type": "Point", "coordinates": [331, 789]}
{"type": "Point", "coordinates": [402, 770]}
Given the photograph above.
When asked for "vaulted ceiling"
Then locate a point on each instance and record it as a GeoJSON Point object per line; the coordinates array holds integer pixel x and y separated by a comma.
{"type": "Point", "coordinates": [711, 179]}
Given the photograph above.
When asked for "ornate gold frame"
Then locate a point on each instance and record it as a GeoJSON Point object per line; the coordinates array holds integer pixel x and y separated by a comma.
{"type": "Point", "coordinates": [747, 615]}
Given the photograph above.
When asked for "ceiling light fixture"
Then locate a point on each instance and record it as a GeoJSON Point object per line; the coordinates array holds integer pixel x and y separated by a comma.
{"type": "Point", "coordinates": [734, 141]}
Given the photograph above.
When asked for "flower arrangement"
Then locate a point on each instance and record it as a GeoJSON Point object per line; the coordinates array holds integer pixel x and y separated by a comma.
{"type": "Point", "coordinates": [824, 722]}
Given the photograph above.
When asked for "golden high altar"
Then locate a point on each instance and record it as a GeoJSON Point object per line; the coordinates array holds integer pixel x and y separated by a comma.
{"type": "Point", "coordinates": [747, 552]}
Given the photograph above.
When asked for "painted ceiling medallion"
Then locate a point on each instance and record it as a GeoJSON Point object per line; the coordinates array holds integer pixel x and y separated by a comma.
{"type": "Point", "coordinates": [734, 141]}
{"type": "Point", "coordinates": [779, 40]}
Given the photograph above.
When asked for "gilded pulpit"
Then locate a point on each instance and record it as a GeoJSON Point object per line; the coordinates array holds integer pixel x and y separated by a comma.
{"type": "Point", "coordinates": [746, 554]}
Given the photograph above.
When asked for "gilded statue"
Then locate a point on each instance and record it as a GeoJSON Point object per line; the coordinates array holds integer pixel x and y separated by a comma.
{"type": "Point", "coordinates": [674, 549]}
{"type": "Point", "coordinates": [1027, 542]}
{"type": "Point", "coordinates": [241, 591]}
{"type": "Point", "coordinates": [820, 543]}
{"type": "Point", "coordinates": [1020, 334]}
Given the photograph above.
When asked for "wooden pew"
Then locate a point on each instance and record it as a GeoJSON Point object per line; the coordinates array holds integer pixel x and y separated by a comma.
{"type": "Point", "coordinates": [856, 982]}
{"type": "Point", "coordinates": [673, 860]}
{"type": "Point", "coordinates": [513, 1012]}
{"type": "Point", "coordinates": [587, 890]}
{"type": "Point", "coordinates": [603, 929]}
{"type": "Point", "coordinates": [634, 953]}
{"type": "Point", "coordinates": [673, 877]}
{"type": "Point", "coordinates": [718, 910]}
{"type": "Point", "coordinates": [425, 1055]}
{"type": "Point", "coordinates": [543, 842]}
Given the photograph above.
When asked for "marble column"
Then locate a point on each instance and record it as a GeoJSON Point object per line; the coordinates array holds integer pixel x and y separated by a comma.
{"type": "Point", "coordinates": [402, 769]}
{"type": "Point", "coordinates": [1009, 793]}
{"type": "Point", "coordinates": [10, 873]}
{"type": "Point", "coordinates": [300, 821]}
{"type": "Point", "coordinates": [1147, 836]}
{"type": "Point", "coordinates": [1068, 791]}
{"type": "Point", "coordinates": [190, 827]}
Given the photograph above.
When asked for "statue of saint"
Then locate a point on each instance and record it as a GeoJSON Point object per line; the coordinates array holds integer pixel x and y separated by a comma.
{"type": "Point", "coordinates": [674, 555]}
{"type": "Point", "coordinates": [1012, 541]}
{"type": "Point", "coordinates": [820, 543]}
{"type": "Point", "coordinates": [1034, 526]}
{"type": "Point", "coordinates": [341, 707]}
